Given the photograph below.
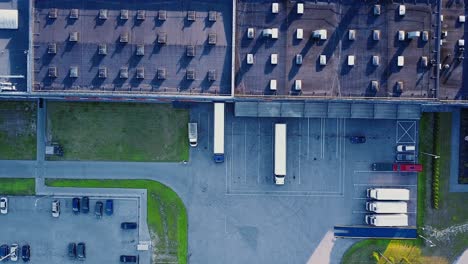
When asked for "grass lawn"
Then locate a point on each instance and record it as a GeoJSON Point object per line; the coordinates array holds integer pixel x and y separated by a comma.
{"type": "Point", "coordinates": [167, 216]}
{"type": "Point", "coordinates": [452, 212]}
{"type": "Point", "coordinates": [17, 186]}
{"type": "Point", "coordinates": [118, 131]}
{"type": "Point", "coordinates": [17, 130]}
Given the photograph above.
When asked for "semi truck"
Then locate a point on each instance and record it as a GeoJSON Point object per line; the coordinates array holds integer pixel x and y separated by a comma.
{"type": "Point", "coordinates": [387, 219]}
{"type": "Point", "coordinates": [397, 167]}
{"type": "Point", "coordinates": [193, 134]}
{"type": "Point", "coordinates": [280, 153]}
{"type": "Point", "coordinates": [387, 207]}
{"type": "Point", "coordinates": [388, 194]}
{"type": "Point", "coordinates": [218, 145]}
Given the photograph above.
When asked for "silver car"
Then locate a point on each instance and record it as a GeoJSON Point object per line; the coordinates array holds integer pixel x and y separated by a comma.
{"type": "Point", "coordinates": [3, 205]}
{"type": "Point", "coordinates": [14, 250]}
{"type": "Point", "coordinates": [56, 208]}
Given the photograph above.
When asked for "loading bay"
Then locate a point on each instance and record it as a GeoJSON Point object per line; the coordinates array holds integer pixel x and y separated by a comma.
{"type": "Point", "coordinates": [237, 206]}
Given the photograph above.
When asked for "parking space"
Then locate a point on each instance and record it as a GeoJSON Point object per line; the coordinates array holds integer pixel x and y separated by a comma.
{"type": "Point", "coordinates": [49, 237]}
{"type": "Point", "coordinates": [341, 64]}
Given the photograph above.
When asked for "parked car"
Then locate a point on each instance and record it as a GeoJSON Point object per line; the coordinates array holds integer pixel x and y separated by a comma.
{"type": "Point", "coordinates": [109, 207]}
{"type": "Point", "coordinates": [72, 250]}
{"type": "Point", "coordinates": [357, 139]}
{"type": "Point", "coordinates": [55, 208]}
{"type": "Point", "coordinates": [81, 251]}
{"type": "Point", "coordinates": [3, 205]}
{"type": "Point", "coordinates": [128, 259]}
{"type": "Point", "coordinates": [4, 251]}
{"type": "Point", "coordinates": [76, 205]}
{"type": "Point", "coordinates": [85, 204]}
{"type": "Point", "coordinates": [25, 253]}
{"type": "Point", "coordinates": [14, 252]}
{"type": "Point", "coordinates": [405, 157]}
{"type": "Point", "coordinates": [405, 148]}
{"type": "Point", "coordinates": [128, 225]}
{"type": "Point", "coordinates": [98, 209]}
{"type": "Point", "coordinates": [411, 167]}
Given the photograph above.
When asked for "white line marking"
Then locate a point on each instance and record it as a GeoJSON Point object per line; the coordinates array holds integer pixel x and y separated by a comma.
{"type": "Point", "coordinates": [308, 138]}
{"type": "Point", "coordinates": [245, 152]}
{"type": "Point", "coordinates": [299, 158]}
{"type": "Point", "coordinates": [337, 137]}
{"type": "Point", "coordinates": [259, 150]}
{"type": "Point", "coordinates": [392, 185]}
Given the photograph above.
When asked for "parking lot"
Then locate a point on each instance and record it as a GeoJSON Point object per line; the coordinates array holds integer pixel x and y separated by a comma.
{"type": "Point", "coordinates": [49, 237]}
{"type": "Point", "coordinates": [334, 78]}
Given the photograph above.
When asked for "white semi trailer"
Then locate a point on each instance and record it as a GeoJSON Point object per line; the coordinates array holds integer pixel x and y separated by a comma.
{"type": "Point", "coordinates": [280, 153]}
{"type": "Point", "coordinates": [388, 194]}
{"type": "Point", "coordinates": [387, 207]}
{"type": "Point", "coordinates": [387, 219]}
{"type": "Point", "coordinates": [218, 144]}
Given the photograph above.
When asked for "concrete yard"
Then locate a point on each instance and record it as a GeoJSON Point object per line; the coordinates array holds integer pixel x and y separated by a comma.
{"type": "Point", "coordinates": [237, 206]}
{"type": "Point", "coordinates": [49, 237]}
{"type": "Point", "coordinates": [335, 78]}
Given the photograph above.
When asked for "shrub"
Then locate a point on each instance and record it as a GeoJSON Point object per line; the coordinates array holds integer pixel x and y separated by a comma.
{"type": "Point", "coordinates": [376, 256]}
{"type": "Point", "coordinates": [436, 163]}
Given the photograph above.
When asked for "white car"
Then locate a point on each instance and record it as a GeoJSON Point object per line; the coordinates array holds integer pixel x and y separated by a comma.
{"type": "Point", "coordinates": [55, 208]}
{"type": "Point", "coordinates": [405, 148]}
{"type": "Point", "coordinates": [4, 205]}
{"type": "Point", "coordinates": [14, 252]}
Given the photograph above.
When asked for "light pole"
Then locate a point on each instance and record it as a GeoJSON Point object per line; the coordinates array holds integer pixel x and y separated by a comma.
{"type": "Point", "coordinates": [432, 155]}
{"type": "Point", "coordinates": [431, 244]}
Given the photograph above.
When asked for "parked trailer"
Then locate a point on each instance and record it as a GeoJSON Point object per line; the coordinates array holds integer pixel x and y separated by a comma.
{"type": "Point", "coordinates": [280, 153]}
{"type": "Point", "coordinates": [388, 194]}
{"type": "Point", "coordinates": [387, 219]}
{"type": "Point", "coordinates": [218, 146]}
{"type": "Point", "coordinates": [387, 207]}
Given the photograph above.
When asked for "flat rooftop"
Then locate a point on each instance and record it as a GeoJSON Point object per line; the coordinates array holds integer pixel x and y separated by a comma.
{"type": "Point", "coordinates": [156, 46]}
{"type": "Point", "coordinates": [335, 78]}
{"type": "Point", "coordinates": [14, 46]}
{"type": "Point", "coordinates": [454, 73]}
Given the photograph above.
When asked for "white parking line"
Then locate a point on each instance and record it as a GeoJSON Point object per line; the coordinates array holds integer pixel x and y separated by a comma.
{"type": "Point", "coordinates": [258, 152]}
{"type": "Point", "coordinates": [245, 152]}
{"type": "Point", "coordinates": [392, 185]}
{"type": "Point", "coordinates": [299, 157]}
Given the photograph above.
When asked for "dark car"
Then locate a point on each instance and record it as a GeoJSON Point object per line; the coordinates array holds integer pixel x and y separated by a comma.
{"type": "Point", "coordinates": [405, 157]}
{"type": "Point", "coordinates": [81, 251]}
{"type": "Point", "coordinates": [4, 251]}
{"type": "Point", "coordinates": [25, 253]}
{"type": "Point", "coordinates": [85, 204]}
{"type": "Point", "coordinates": [98, 209]}
{"type": "Point", "coordinates": [128, 225]}
{"type": "Point", "coordinates": [76, 205]}
{"type": "Point", "coordinates": [128, 259]}
{"type": "Point", "coordinates": [357, 139]}
{"type": "Point", "coordinates": [109, 207]}
{"type": "Point", "coordinates": [72, 250]}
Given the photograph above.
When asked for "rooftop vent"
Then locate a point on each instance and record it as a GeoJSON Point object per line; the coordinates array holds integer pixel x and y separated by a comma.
{"type": "Point", "coordinates": [212, 75]}
{"type": "Point", "coordinates": [162, 15]}
{"type": "Point", "coordinates": [52, 72]}
{"type": "Point", "coordinates": [161, 73]}
{"type": "Point", "coordinates": [103, 14]}
{"type": "Point", "coordinates": [73, 72]}
{"type": "Point", "coordinates": [162, 37]}
{"type": "Point", "coordinates": [190, 51]}
{"type": "Point", "coordinates": [74, 36]}
{"type": "Point", "coordinates": [53, 13]}
{"type": "Point", "coordinates": [102, 72]}
{"type": "Point", "coordinates": [123, 73]}
{"type": "Point", "coordinates": [140, 73]}
{"type": "Point", "coordinates": [212, 16]}
{"type": "Point", "coordinates": [375, 86]}
{"type": "Point", "coordinates": [52, 48]}
{"type": "Point", "coordinates": [141, 15]}
{"type": "Point", "coordinates": [212, 38]}
{"type": "Point", "coordinates": [399, 87]}
{"type": "Point", "coordinates": [191, 15]}
{"type": "Point", "coordinates": [74, 13]}
{"type": "Point", "coordinates": [102, 50]}
{"type": "Point", "coordinates": [124, 38]}
{"type": "Point", "coordinates": [124, 14]}
{"type": "Point", "coordinates": [190, 74]}
{"type": "Point", "coordinates": [140, 50]}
